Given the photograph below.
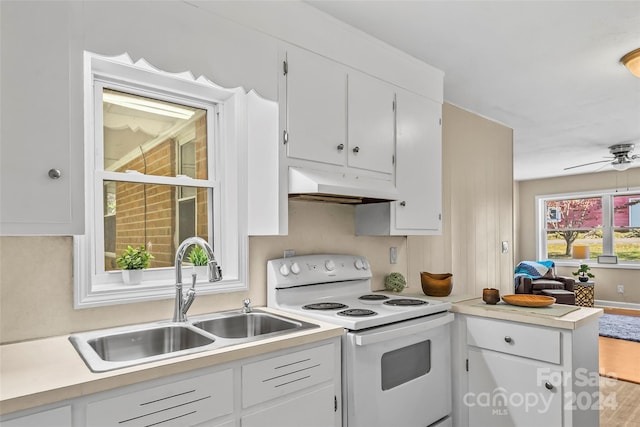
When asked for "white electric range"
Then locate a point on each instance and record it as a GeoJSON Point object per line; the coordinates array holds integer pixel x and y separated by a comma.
{"type": "Point", "coordinates": [395, 350]}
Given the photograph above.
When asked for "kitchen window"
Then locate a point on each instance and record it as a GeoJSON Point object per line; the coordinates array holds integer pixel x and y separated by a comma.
{"type": "Point", "coordinates": [583, 226]}
{"type": "Point", "coordinates": [161, 154]}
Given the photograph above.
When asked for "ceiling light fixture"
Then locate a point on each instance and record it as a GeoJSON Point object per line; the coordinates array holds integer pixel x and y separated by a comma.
{"type": "Point", "coordinates": [621, 164]}
{"type": "Point", "coordinates": [632, 61]}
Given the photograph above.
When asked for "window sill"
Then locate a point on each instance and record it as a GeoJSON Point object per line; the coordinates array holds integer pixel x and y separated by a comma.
{"type": "Point", "coordinates": [594, 264]}
{"type": "Point", "coordinates": [119, 293]}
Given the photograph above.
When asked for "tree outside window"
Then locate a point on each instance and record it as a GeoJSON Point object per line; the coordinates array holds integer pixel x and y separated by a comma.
{"type": "Point", "coordinates": [607, 224]}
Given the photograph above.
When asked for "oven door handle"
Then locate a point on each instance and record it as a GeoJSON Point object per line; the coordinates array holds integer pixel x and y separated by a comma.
{"type": "Point", "coordinates": [392, 333]}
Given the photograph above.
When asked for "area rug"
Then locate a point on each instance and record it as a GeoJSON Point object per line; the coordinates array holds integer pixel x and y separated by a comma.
{"type": "Point", "coordinates": [620, 327]}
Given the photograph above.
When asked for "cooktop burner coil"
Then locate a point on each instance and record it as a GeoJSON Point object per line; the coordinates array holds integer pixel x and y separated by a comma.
{"type": "Point", "coordinates": [325, 306]}
{"type": "Point", "coordinates": [405, 302]}
{"type": "Point", "coordinates": [357, 312]}
{"type": "Point", "coordinates": [373, 297]}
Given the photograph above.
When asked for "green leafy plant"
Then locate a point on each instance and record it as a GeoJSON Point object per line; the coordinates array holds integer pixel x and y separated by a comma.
{"type": "Point", "coordinates": [583, 271]}
{"type": "Point", "coordinates": [198, 257]}
{"type": "Point", "coordinates": [134, 258]}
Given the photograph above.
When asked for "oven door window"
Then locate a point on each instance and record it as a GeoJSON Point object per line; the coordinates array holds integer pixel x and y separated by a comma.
{"type": "Point", "coordinates": [405, 364]}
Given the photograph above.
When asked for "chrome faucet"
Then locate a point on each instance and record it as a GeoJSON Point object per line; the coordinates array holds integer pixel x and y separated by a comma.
{"type": "Point", "coordinates": [183, 303]}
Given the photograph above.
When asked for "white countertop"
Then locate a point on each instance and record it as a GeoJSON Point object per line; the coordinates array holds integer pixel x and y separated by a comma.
{"type": "Point", "coordinates": [474, 306]}
{"type": "Point", "coordinates": [39, 372]}
{"type": "Point", "coordinates": [44, 371]}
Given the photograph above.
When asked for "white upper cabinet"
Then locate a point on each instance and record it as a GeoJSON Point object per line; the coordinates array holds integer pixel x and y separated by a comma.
{"type": "Point", "coordinates": [41, 186]}
{"type": "Point", "coordinates": [418, 173]}
{"type": "Point", "coordinates": [337, 116]}
{"type": "Point", "coordinates": [315, 108]}
{"type": "Point", "coordinates": [370, 122]}
{"type": "Point", "coordinates": [418, 164]}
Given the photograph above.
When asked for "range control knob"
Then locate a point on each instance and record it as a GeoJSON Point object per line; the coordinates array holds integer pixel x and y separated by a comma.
{"type": "Point", "coordinates": [295, 268]}
{"type": "Point", "coordinates": [284, 270]}
{"type": "Point", "coordinates": [359, 264]}
{"type": "Point", "coordinates": [365, 265]}
{"type": "Point", "coordinates": [330, 265]}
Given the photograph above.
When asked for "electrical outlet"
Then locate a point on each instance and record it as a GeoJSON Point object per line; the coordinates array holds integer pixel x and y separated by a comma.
{"type": "Point", "coordinates": [393, 255]}
{"type": "Point", "coordinates": [289, 253]}
{"type": "Point", "coordinates": [621, 289]}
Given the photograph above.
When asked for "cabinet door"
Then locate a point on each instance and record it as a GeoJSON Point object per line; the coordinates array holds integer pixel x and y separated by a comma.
{"type": "Point", "coordinates": [313, 409]}
{"type": "Point", "coordinates": [37, 131]}
{"type": "Point", "coordinates": [510, 391]}
{"type": "Point", "coordinates": [418, 163]}
{"type": "Point", "coordinates": [315, 108]}
{"type": "Point", "coordinates": [58, 417]}
{"type": "Point", "coordinates": [370, 123]}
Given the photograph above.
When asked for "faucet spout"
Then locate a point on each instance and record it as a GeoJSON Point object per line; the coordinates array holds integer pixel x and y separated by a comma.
{"type": "Point", "coordinates": [182, 304]}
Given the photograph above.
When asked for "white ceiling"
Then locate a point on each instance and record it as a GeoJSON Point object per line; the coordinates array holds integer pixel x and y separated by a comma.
{"type": "Point", "coordinates": [547, 69]}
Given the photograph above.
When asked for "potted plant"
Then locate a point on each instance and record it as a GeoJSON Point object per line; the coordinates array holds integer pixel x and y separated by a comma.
{"type": "Point", "coordinates": [132, 261]}
{"type": "Point", "coordinates": [583, 273]}
{"type": "Point", "coordinates": [198, 257]}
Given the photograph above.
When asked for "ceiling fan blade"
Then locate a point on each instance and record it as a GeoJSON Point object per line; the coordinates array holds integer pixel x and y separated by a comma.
{"type": "Point", "coordinates": [587, 164]}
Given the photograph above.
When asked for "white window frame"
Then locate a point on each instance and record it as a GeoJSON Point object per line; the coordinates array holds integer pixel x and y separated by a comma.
{"type": "Point", "coordinates": [607, 225]}
{"type": "Point", "coordinates": [226, 124]}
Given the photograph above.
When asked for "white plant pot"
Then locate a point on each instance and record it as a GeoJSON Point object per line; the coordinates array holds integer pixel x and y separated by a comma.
{"type": "Point", "coordinates": [202, 272]}
{"type": "Point", "coordinates": [132, 277]}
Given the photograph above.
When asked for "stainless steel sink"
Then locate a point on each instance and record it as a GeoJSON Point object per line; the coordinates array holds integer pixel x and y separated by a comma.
{"type": "Point", "coordinates": [147, 343]}
{"type": "Point", "coordinates": [115, 348]}
{"type": "Point", "coordinates": [105, 350]}
{"type": "Point", "coordinates": [248, 325]}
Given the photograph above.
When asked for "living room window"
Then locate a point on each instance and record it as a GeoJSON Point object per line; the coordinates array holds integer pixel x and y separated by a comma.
{"type": "Point", "coordinates": [586, 226]}
{"type": "Point", "coordinates": [161, 166]}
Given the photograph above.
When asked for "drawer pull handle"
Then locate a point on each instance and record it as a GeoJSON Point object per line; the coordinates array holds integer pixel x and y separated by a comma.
{"type": "Point", "coordinates": [508, 339]}
{"type": "Point", "coordinates": [340, 147]}
{"type": "Point", "coordinates": [548, 385]}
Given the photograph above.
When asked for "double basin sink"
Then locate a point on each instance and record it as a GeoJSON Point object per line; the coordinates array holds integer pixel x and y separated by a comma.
{"type": "Point", "coordinates": [121, 347]}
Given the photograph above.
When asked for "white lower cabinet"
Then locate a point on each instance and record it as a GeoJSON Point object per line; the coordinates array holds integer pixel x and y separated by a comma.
{"type": "Point", "coordinates": [507, 391]}
{"type": "Point", "coordinates": [294, 387]}
{"type": "Point", "coordinates": [309, 409]}
{"type": "Point", "coordinates": [511, 374]}
{"type": "Point", "coordinates": [182, 403]}
{"type": "Point", "coordinates": [58, 417]}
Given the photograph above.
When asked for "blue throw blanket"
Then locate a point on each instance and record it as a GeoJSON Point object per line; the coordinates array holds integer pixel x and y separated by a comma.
{"type": "Point", "coordinates": [532, 270]}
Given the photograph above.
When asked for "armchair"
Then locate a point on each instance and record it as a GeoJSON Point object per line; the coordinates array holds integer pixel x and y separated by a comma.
{"type": "Point", "coordinates": [530, 281]}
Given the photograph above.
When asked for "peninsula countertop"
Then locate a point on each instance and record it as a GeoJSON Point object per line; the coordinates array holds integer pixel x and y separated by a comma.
{"type": "Point", "coordinates": [474, 306]}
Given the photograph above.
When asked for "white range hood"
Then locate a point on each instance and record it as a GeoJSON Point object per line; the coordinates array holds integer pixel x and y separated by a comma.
{"type": "Point", "coordinates": [310, 184]}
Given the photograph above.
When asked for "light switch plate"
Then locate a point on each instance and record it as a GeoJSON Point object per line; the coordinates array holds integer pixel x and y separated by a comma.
{"type": "Point", "coordinates": [393, 255]}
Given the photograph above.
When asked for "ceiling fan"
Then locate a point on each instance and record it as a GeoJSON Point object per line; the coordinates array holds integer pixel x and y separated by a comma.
{"type": "Point", "coordinates": [621, 157]}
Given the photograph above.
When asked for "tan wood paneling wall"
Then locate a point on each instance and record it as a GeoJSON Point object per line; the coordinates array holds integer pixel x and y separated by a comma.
{"type": "Point", "coordinates": [477, 207]}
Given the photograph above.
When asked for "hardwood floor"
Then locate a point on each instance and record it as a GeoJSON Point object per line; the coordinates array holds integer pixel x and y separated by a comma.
{"type": "Point", "coordinates": [620, 399]}
{"type": "Point", "coordinates": [620, 359]}
{"type": "Point", "coordinates": [619, 403]}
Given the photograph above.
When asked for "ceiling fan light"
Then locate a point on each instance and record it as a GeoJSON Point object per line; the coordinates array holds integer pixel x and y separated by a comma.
{"type": "Point", "coordinates": [622, 165]}
{"type": "Point", "coordinates": [632, 61]}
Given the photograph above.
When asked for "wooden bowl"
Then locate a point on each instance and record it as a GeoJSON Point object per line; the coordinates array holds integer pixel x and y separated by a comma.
{"type": "Point", "coordinates": [436, 285]}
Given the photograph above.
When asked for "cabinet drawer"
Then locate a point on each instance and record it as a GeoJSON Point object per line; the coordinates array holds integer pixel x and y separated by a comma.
{"type": "Point", "coordinates": [514, 338]}
{"type": "Point", "coordinates": [269, 379]}
{"type": "Point", "coordinates": [183, 403]}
